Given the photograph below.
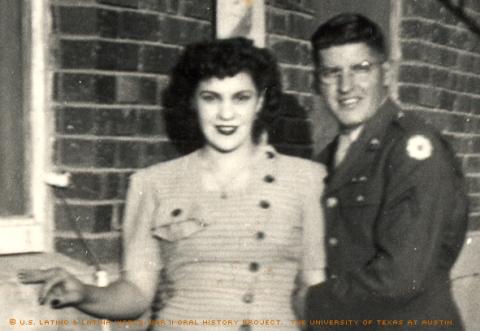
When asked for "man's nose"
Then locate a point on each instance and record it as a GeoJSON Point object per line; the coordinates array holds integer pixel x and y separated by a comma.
{"type": "Point", "coordinates": [346, 81]}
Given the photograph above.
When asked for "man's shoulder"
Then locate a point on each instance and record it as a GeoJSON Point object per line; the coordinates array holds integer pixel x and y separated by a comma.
{"type": "Point", "coordinates": [411, 123]}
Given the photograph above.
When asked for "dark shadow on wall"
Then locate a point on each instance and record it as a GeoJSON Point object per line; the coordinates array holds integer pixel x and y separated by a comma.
{"type": "Point", "coordinates": [457, 8]}
{"type": "Point", "coordinates": [290, 131]}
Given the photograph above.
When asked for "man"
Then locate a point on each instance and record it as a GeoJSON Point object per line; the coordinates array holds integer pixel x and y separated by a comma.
{"type": "Point", "coordinates": [395, 205]}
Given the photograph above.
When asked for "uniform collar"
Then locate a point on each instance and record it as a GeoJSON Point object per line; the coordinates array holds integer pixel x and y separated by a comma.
{"type": "Point", "coordinates": [370, 140]}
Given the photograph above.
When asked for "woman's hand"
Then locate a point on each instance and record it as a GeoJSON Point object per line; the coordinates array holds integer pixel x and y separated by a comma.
{"type": "Point", "coordinates": [60, 288]}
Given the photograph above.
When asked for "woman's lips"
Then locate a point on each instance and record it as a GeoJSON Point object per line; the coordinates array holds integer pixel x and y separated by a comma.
{"type": "Point", "coordinates": [226, 129]}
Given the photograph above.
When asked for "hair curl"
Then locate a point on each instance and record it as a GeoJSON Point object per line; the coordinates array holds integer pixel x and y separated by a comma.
{"type": "Point", "coordinates": [220, 59]}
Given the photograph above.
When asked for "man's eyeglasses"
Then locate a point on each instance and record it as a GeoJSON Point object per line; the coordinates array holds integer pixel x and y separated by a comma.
{"type": "Point", "coordinates": [330, 75]}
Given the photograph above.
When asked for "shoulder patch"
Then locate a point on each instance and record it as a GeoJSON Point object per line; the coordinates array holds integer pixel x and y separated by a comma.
{"type": "Point", "coordinates": [419, 147]}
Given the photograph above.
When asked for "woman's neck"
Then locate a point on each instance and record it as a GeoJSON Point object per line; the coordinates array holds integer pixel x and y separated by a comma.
{"type": "Point", "coordinates": [230, 162]}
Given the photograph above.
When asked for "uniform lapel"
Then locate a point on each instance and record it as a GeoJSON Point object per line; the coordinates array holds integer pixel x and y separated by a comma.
{"type": "Point", "coordinates": [360, 152]}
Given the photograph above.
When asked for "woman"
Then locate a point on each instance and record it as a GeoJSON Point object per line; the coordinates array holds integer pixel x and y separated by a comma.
{"type": "Point", "coordinates": [231, 231]}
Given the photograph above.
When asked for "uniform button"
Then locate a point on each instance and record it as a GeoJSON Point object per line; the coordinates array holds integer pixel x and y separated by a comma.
{"type": "Point", "coordinates": [176, 212]}
{"type": "Point", "coordinates": [269, 179]}
{"type": "Point", "coordinates": [360, 198]}
{"type": "Point", "coordinates": [248, 297]}
{"type": "Point", "coordinates": [260, 235]}
{"type": "Point", "coordinates": [332, 241]}
{"type": "Point", "coordinates": [254, 266]}
{"type": "Point", "coordinates": [264, 204]}
{"type": "Point", "coordinates": [333, 276]}
{"type": "Point", "coordinates": [354, 180]}
{"type": "Point", "coordinates": [362, 179]}
{"type": "Point", "coordinates": [245, 327]}
{"type": "Point", "coordinates": [332, 202]}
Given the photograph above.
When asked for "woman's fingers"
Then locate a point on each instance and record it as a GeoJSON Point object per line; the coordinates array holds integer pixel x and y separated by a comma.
{"type": "Point", "coordinates": [53, 286]}
{"type": "Point", "coordinates": [69, 298]}
{"type": "Point", "coordinates": [32, 276]}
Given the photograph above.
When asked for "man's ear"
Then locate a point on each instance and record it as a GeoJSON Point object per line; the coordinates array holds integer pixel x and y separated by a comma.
{"type": "Point", "coordinates": [386, 73]}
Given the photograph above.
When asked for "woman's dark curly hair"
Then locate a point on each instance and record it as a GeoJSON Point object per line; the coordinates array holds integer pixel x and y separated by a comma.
{"type": "Point", "coordinates": [220, 59]}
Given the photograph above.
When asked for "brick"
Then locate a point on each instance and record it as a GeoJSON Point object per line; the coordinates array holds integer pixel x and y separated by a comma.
{"type": "Point", "coordinates": [413, 29]}
{"type": "Point", "coordinates": [107, 250]}
{"type": "Point", "coordinates": [164, 151]}
{"type": "Point", "coordinates": [462, 104]}
{"type": "Point", "coordinates": [105, 89]}
{"type": "Point", "coordinates": [474, 222]}
{"type": "Point", "coordinates": [105, 154]}
{"type": "Point", "coordinates": [136, 90]}
{"type": "Point", "coordinates": [291, 107]}
{"type": "Point", "coordinates": [474, 204]}
{"type": "Point", "coordinates": [437, 78]}
{"type": "Point", "coordinates": [159, 59]}
{"type": "Point", "coordinates": [91, 219]}
{"type": "Point", "coordinates": [85, 186]}
{"type": "Point", "coordinates": [83, 88]}
{"type": "Point", "coordinates": [139, 26]}
{"type": "Point", "coordinates": [95, 186]}
{"type": "Point", "coordinates": [116, 122]}
{"type": "Point", "coordinates": [471, 164]}
{"type": "Point", "coordinates": [164, 6]}
{"type": "Point", "coordinates": [117, 56]}
{"type": "Point", "coordinates": [277, 23]}
{"type": "Point", "coordinates": [413, 74]}
{"type": "Point", "coordinates": [108, 23]}
{"type": "Point", "coordinates": [77, 153]}
{"type": "Point", "coordinates": [447, 100]}
{"type": "Point", "coordinates": [473, 184]}
{"type": "Point", "coordinates": [297, 79]}
{"type": "Point", "coordinates": [466, 63]}
{"type": "Point", "coordinates": [129, 154]}
{"type": "Point", "coordinates": [74, 120]}
{"type": "Point", "coordinates": [409, 94]}
{"type": "Point", "coordinates": [307, 103]}
{"type": "Point", "coordinates": [305, 6]}
{"type": "Point", "coordinates": [78, 54]}
{"type": "Point", "coordinates": [179, 31]}
{"type": "Point", "coordinates": [202, 10]}
{"type": "Point", "coordinates": [77, 20]}
{"type": "Point", "coordinates": [448, 58]}
{"type": "Point", "coordinates": [440, 35]}
{"type": "Point", "coordinates": [290, 52]}
{"type": "Point", "coordinates": [121, 3]}
{"type": "Point", "coordinates": [114, 186]}
{"type": "Point", "coordinates": [301, 27]}
{"type": "Point", "coordinates": [151, 123]}
{"type": "Point", "coordinates": [411, 50]}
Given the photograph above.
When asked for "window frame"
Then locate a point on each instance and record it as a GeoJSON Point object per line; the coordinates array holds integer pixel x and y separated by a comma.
{"type": "Point", "coordinates": [33, 232]}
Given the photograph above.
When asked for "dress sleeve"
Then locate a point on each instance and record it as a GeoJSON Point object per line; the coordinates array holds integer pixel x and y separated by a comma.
{"type": "Point", "coordinates": [141, 251]}
{"type": "Point", "coordinates": [314, 255]}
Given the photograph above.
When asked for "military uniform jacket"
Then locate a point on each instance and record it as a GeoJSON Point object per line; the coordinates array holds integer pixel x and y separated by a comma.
{"type": "Point", "coordinates": [396, 214]}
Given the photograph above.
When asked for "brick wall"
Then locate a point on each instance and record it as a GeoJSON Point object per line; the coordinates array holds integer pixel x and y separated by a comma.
{"type": "Point", "coordinates": [289, 27]}
{"type": "Point", "coordinates": [110, 60]}
{"type": "Point", "coordinates": [439, 78]}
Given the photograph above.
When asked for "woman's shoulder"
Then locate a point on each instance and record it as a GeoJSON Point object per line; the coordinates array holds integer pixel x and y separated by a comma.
{"type": "Point", "coordinates": [164, 170]}
{"type": "Point", "coordinates": [298, 166]}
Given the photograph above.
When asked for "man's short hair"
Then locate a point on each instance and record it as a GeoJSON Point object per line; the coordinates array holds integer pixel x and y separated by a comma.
{"type": "Point", "coordinates": [348, 28]}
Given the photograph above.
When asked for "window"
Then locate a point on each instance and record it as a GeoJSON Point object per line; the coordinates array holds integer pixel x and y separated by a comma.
{"type": "Point", "coordinates": [22, 126]}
